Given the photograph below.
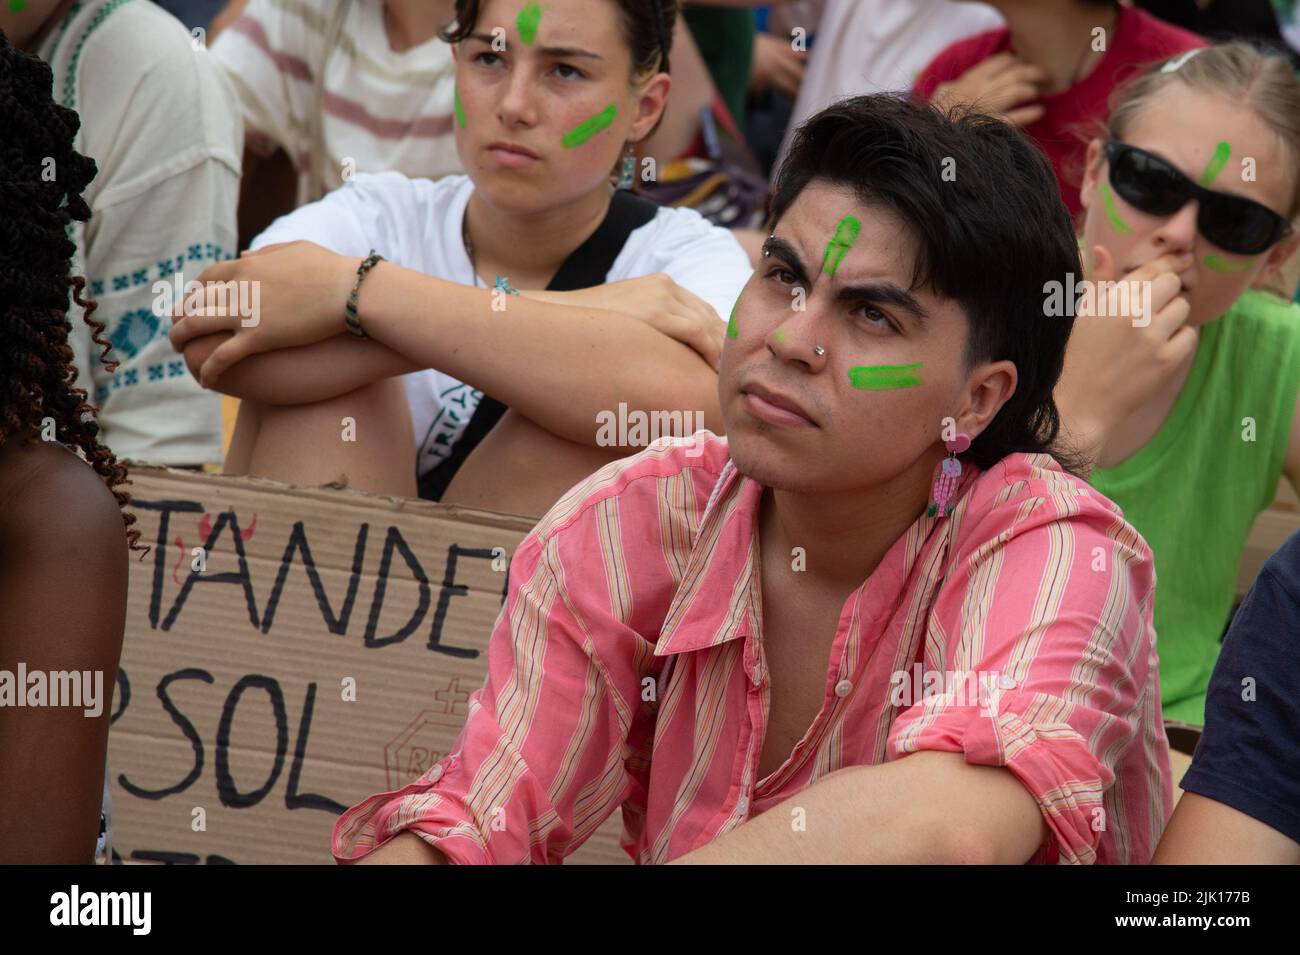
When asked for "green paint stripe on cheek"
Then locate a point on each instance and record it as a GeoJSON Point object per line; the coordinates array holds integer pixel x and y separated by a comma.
{"type": "Point", "coordinates": [1216, 163]}
{"type": "Point", "coordinates": [1228, 265]}
{"type": "Point", "coordinates": [733, 330]}
{"type": "Point", "coordinates": [846, 233]}
{"type": "Point", "coordinates": [460, 110]}
{"type": "Point", "coordinates": [590, 127]}
{"type": "Point", "coordinates": [1112, 214]}
{"type": "Point", "coordinates": [884, 377]}
{"type": "Point", "coordinates": [527, 21]}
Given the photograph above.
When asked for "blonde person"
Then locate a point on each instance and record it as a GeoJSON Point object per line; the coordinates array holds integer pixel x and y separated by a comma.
{"type": "Point", "coordinates": [1187, 406]}
{"type": "Point", "coordinates": [543, 118]}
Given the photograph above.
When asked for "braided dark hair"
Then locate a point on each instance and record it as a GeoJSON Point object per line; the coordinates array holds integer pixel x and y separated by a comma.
{"type": "Point", "coordinates": [37, 374]}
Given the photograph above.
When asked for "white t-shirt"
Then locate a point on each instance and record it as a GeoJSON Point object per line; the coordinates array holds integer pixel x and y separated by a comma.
{"type": "Point", "coordinates": [416, 223]}
{"type": "Point", "coordinates": [380, 109]}
{"type": "Point", "coordinates": [158, 118]}
{"type": "Point", "coordinates": [874, 46]}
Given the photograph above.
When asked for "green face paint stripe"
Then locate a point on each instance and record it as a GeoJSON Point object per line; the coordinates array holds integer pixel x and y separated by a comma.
{"type": "Point", "coordinates": [846, 233]}
{"type": "Point", "coordinates": [1108, 201]}
{"type": "Point", "coordinates": [1227, 265]}
{"type": "Point", "coordinates": [733, 330]}
{"type": "Point", "coordinates": [884, 377]}
{"type": "Point", "coordinates": [526, 23]}
{"type": "Point", "coordinates": [590, 127]}
{"type": "Point", "coordinates": [780, 336]}
{"type": "Point", "coordinates": [460, 110]}
{"type": "Point", "coordinates": [1216, 164]}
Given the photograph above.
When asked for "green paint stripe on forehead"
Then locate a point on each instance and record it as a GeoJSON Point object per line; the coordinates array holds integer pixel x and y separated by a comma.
{"type": "Point", "coordinates": [590, 127]}
{"type": "Point", "coordinates": [884, 377]}
{"type": "Point", "coordinates": [733, 330]}
{"type": "Point", "coordinates": [846, 233]}
{"type": "Point", "coordinates": [460, 110]}
{"type": "Point", "coordinates": [1112, 214]}
{"type": "Point", "coordinates": [1216, 163]}
{"type": "Point", "coordinates": [526, 23]}
{"type": "Point", "coordinates": [1228, 265]}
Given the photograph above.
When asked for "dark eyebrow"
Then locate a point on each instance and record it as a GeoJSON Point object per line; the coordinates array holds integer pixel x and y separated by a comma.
{"type": "Point", "coordinates": [881, 292]}
{"type": "Point", "coordinates": [785, 251]}
{"type": "Point", "coordinates": [554, 52]}
{"type": "Point", "coordinates": [884, 292]}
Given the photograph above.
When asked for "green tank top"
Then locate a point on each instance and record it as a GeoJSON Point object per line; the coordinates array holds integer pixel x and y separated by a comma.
{"type": "Point", "coordinates": [1196, 487]}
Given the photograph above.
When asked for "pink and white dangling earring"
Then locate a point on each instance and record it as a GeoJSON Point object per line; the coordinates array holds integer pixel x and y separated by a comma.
{"type": "Point", "coordinates": [946, 476]}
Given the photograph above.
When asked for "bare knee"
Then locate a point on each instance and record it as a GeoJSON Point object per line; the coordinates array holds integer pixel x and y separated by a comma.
{"type": "Point", "coordinates": [362, 439]}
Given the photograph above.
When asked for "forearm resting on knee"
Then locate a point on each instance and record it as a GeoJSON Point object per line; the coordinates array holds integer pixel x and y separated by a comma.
{"type": "Point", "coordinates": [295, 376]}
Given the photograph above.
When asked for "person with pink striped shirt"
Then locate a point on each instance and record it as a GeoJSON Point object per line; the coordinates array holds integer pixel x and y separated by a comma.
{"type": "Point", "coordinates": [880, 621]}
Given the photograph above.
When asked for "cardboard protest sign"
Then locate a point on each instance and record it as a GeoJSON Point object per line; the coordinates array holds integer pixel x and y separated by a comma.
{"type": "Point", "coordinates": [289, 652]}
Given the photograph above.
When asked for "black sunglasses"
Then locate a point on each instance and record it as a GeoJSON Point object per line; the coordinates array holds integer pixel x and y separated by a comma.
{"type": "Point", "coordinates": [1154, 186]}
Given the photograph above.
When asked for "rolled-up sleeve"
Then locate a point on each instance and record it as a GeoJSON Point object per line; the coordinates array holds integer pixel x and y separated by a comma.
{"type": "Point", "coordinates": [541, 760]}
{"type": "Point", "coordinates": [1043, 632]}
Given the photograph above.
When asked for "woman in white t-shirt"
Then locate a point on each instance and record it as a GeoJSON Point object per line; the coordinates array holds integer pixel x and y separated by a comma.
{"type": "Point", "coordinates": [549, 99]}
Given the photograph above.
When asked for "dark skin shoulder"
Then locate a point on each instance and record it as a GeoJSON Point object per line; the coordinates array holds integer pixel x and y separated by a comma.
{"type": "Point", "coordinates": [63, 591]}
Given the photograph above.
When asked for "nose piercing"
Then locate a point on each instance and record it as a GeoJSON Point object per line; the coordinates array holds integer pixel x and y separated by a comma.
{"type": "Point", "coordinates": [819, 351]}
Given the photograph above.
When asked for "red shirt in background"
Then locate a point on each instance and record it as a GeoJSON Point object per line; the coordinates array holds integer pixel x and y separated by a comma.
{"type": "Point", "coordinates": [1070, 116]}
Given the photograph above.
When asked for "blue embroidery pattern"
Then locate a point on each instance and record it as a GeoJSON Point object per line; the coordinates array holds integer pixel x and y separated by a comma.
{"type": "Point", "coordinates": [138, 327]}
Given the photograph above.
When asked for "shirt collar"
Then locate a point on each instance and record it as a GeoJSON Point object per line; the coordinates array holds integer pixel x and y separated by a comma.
{"type": "Point", "coordinates": [713, 603]}
{"type": "Point", "coordinates": [717, 599]}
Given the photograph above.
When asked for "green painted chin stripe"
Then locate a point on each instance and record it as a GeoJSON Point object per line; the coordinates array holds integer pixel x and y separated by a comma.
{"type": "Point", "coordinates": [884, 377]}
{"type": "Point", "coordinates": [733, 330]}
{"type": "Point", "coordinates": [846, 233]}
{"type": "Point", "coordinates": [1228, 265]}
{"type": "Point", "coordinates": [526, 23]}
{"type": "Point", "coordinates": [460, 110]}
{"type": "Point", "coordinates": [1112, 214]}
{"type": "Point", "coordinates": [1216, 164]}
{"type": "Point", "coordinates": [590, 127]}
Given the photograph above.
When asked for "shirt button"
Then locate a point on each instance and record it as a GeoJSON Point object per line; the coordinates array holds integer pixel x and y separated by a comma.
{"type": "Point", "coordinates": [1007, 682]}
{"type": "Point", "coordinates": [842, 688]}
{"type": "Point", "coordinates": [435, 774]}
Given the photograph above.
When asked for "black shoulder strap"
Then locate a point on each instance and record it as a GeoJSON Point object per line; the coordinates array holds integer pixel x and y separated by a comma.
{"type": "Point", "coordinates": [587, 266]}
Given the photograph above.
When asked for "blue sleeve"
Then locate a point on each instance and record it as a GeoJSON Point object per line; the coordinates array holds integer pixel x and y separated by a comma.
{"type": "Point", "coordinates": [1249, 755]}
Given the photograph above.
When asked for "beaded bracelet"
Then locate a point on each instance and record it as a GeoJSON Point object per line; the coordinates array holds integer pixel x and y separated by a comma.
{"type": "Point", "coordinates": [350, 317]}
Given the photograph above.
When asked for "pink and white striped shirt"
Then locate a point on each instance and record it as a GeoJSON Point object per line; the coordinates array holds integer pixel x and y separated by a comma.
{"type": "Point", "coordinates": [646, 576]}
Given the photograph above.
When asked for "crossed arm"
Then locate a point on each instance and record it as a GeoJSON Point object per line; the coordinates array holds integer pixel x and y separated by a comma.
{"type": "Point", "coordinates": [557, 364]}
{"type": "Point", "coordinates": [926, 808]}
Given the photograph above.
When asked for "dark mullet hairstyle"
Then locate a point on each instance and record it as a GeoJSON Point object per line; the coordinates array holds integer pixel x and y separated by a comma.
{"type": "Point", "coordinates": [991, 236]}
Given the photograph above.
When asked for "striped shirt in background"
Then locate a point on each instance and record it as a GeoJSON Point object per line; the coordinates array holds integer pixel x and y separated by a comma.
{"type": "Point", "coordinates": [647, 574]}
{"type": "Point", "coordinates": [381, 109]}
